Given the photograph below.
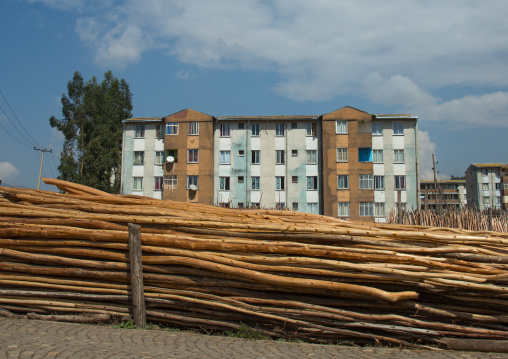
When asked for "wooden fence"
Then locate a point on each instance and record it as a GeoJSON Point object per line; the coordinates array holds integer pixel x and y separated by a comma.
{"type": "Point", "coordinates": [462, 218]}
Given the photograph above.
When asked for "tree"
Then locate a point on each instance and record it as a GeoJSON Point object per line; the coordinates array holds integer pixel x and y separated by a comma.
{"type": "Point", "coordinates": [92, 127]}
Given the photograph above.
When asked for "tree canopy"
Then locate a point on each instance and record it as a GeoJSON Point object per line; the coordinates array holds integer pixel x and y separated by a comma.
{"type": "Point", "coordinates": [92, 127]}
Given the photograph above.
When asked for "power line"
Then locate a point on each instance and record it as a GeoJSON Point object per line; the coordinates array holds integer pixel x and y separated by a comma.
{"type": "Point", "coordinates": [24, 144]}
{"type": "Point", "coordinates": [53, 163]}
{"type": "Point", "coordinates": [16, 117]}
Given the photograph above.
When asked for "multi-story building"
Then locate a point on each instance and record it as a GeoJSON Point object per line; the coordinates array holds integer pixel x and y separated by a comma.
{"type": "Point", "coordinates": [447, 194]}
{"type": "Point", "coordinates": [346, 163]}
{"type": "Point", "coordinates": [483, 183]}
{"type": "Point", "coordinates": [143, 157]}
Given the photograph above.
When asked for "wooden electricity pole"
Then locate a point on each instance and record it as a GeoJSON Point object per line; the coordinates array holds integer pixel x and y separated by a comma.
{"type": "Point", "coordinates": [42, 159]}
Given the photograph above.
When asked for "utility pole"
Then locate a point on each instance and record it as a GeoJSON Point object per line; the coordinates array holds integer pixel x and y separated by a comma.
{"type": "Point", "coordinates": [438, 188]}
{"type": "Point", "coordinates": [42, 159]}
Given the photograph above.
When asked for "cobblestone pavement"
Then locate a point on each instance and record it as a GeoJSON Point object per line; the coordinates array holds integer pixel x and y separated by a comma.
{"type": "Point", "coordinates": [22, 338]}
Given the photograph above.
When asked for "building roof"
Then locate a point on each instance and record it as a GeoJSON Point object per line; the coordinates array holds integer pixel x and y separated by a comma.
{"type": "Point", "coordinates": [265, 118]}
{"type": "Point", "coordinates": [397, 117]}
{"type": "Point", "coordinates": [488, 164]}
{"type": "Point", "coordinates": [143, 119]}
{"type": "Point", "coordinates": [444, 181]}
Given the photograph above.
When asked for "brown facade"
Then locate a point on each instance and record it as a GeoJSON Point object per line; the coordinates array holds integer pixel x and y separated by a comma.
{"type": "Point", "coordinates": [177, 145]}
{"type": "Point", "coordinates": [353, 140]}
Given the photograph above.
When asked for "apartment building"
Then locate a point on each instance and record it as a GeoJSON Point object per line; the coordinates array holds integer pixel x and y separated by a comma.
{"type": "Point", "coordinates": [447, 193]}
{"type": "Point", "coordinates": [143, 157]}
{"type": "Point", "coordinates": [484, 185]}
{"type": "Point", "coordinates": [347, 163]}
{"type": "Point", "coordinates": [268, 162]}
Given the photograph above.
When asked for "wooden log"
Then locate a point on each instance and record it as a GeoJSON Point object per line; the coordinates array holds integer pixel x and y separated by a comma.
{"type": "Point", "coordinates": [136, 276]}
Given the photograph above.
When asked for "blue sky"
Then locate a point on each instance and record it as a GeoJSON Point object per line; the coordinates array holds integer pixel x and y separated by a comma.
{"type": "Point", "coordinates": [443, 61]}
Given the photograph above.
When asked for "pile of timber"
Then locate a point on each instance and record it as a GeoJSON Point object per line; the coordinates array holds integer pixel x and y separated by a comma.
{"type": "Point", "coordinates": [287, 273]}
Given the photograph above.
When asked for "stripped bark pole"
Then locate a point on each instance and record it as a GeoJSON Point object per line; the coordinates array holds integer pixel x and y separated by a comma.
{"type": "Point", "coordinates": [136, 274]}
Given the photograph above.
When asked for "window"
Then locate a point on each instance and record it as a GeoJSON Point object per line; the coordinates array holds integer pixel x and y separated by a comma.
{"type": "Point", "coordinates": [342, 182]}
{"type": "Point", "coordinates": [342, 154]}
{"type": "Point", "coordinates": [138, 184]}
{"type": "Point", "coordinates": [139, 131]}
{"type": "Point", "coordinates": [400, 182]}
{"type": "Point", "coordinates": [241, 126]}
{"type": "Point", "coordinates": [139, 157]}
{"type": "Point", "coordinates": [366, 181]}
{"type": "Point", "coordinates": [172, 153]}
{"type": "Point", "coordinates": [294, 206]}
{"type": "Point", "coordinates": [294, 153]}
{"type": "Point", "coordinates": [225, 130]}
{"type": "Point", "coordinates": [485, 186]}
{"type": "Point", "coordinates": [377, 128]}
{"type": "Point", "coordinates": [340, 126]}
{"type": "Point", "coordinates": [192, 180]}
{"type": "Point", "coordinates": [379, 209]}
{"type": "Point", "coordinates": [241, 153]}
{"type": "Point", "coordinates": [485, 171]}
{"type": "Point", "coordinates": [312, 208]}
{"type": "Point", "coordinates": [279, 183]}
{"type": "Point", "coordinates": [311, 129]}
{"type": "Point", "coordinates": [255, 157]}
{"type": "Point", "coordinates": [279, 157]}
{"type": "Point", "coordinates": [498, 186]}
{"type": "Point", "coordinates": [192, 156]}
{"type": "Point", "coordinates": [294, 125]}
{"type": "Point", "coordinates": [398, 128]}
{"type": "Point", "coordinates": [311, 156]}
{"type": "Point", "coordinates": [240, 205]}
{"type": "Point", "coordinates": [224, 183]}
{"type": "Point", "coordinates": [505, 185]}
{"type": "Point", "coordinates": [159, 157]}
{"type": "Point", "coordinates": [157, 183]}
{"type": "Point", "coordinates": [254, 129]}
{"type": "Point", "coordinates": [312, 183]}
{"type": "Point", "coordinates": [254, 205]}
{"type": "Point", "coordinates": [343, 209]}
{"type": "Point", "coordinates": [398, 156]}
{"type": "Point", "coordinates": [379, 182]}
{"type": "Point", "coordinates": [159, 131]}
{"type": "Point", "coordinates": [172, 128]}
{"type": "Point", "coordinates": [224, 157]}
{"type": "Point", "coordinates": [364, 154]}
{"type": "Point", "coordinates": [366, 209]}
{"type": "Point", "coordinates": [294, 179]}
{"type": "Point", "coordinates": [193, 128]}
{"type": "Point", "coordinates": [170, 182]}
{"type": "Point", "coordinates": [280, 129]}
{"type": "Point", "coordinates": [486, 200]}
{"type": "Point", "coordinates": [377, 156]}
{"type": "Point", "coordinates": [240, 179]}
{"type": "Point", "coordinates": [280, 206]}
{"type": "Point", "coordinates": [255, 183]}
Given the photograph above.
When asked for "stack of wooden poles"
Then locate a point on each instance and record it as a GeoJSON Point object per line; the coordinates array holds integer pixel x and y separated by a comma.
{"type": "Point", "coordinates": [289, 274]}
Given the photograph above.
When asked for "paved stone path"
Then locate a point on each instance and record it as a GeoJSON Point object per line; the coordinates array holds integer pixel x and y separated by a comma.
{"type": "Point", "coordinates": [22, 338]}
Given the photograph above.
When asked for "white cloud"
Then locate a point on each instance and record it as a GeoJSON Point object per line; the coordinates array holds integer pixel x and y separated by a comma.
{"type": "Point", "coordinates": [323, 48]}
{"type": "Point", "coordinates": [473, 110]}
{"type": "Point", "coordinates": [8, 171]}
{"type": "Point", "coordinates": [427, 148]}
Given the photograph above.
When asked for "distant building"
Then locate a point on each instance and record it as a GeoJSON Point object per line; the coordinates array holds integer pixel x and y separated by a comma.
{"type": "Point", "coordinates": [347, 163]}
{"type": "Point", "coordinates": [484, 185]}
{"type": "Point", "coordinates": [449, 194]}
